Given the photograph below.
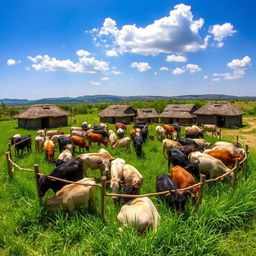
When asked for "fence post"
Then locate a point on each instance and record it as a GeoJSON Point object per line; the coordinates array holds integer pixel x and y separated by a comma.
{"type": "Point", "coordinates": [10, 149]}
{"type": "Point", "coordinates": [102, 198]}
{"type": "Point", "coordinates": [235, 173]}
{"type": "Point", "coordinates": [36, 171]}
{"type": "Point", "coordinates": [9, 165]}
{"type": "Point", "coordinates": [200, 193]}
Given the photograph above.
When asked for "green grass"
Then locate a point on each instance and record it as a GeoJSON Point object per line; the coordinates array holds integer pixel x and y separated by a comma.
{"type": "Point", "coordinates": [27, 229]}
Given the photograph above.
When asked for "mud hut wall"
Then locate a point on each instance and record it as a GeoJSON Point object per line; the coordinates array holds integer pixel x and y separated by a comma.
{"type": "Point", "coordinates": [58, 121]}
{"type": "Point", "coordinates": [231, 121]}
{"type": "Point", "coordinates": [204, 119]}
{"type": "Point", "coordinates": [29, 124]}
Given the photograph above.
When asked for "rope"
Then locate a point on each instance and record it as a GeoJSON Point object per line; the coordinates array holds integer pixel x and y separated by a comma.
{"type": "Point", "coordinates": [18, 167]}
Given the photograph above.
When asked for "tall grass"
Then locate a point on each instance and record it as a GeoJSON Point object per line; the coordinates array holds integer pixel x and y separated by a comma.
{"type": "Point", "coordinates": [27, 229]}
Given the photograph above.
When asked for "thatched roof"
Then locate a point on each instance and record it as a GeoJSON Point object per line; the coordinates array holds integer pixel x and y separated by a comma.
{"type": "Point", "coordinates": [117, 111]}
{"type": "Point", "coordinates": [221, 108]}
{"type": "Point", "coordinates": [178, 111]}
{"type": "Point", "coordinates": [146, 113]}
{"type": "Point", "coordinates": [40, 111]}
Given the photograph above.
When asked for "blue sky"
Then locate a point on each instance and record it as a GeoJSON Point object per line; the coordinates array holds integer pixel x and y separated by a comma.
{"type": "Point", "coordinates": [72, 48]}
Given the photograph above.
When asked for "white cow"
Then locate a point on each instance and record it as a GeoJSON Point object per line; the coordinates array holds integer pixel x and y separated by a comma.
{"type": "Point", "coordinates": [41, 133]}
{"type": "Point", "coordinates": [39, 142]}
{"type": "Point", "coordinates": [139, 212]}
{"type": "Point", "coordinates": [73, 195]}
{"type": "Point", "coordinates": [213, 128]}
{"type": "Point", "coordinates": [123, 143]}
{"type": "Point", "coordinates": [112, 137]}
{"type": "Point", "coordinates": [202, 143]}
{"type": "Point", "coordinates": [167, 144]}
{"type": "Point", "coordinates": [65, 155]}
{"type": "Point", "coordinates": [160, 132]}
{"type": "Point", "coordinates": [131, 175]}
{"type": "Point", "coordinates": [228, 146]}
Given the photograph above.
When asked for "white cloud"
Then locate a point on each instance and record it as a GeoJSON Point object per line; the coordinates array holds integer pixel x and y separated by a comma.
{"type": "Point", "coordinates": [85, 63]}
{"type": "Point", "coordinates": [163, 69]}
{"type": "Point", "coordinates": [105, 78]}
{"type": "Point", "coordinates": [141, 66]}
{"type": "Point", "coordinates": [205, 77]}
{"type": "Point", "coordinates": [95, 83]}
{"type": "Point", "coordinates": [176, 58]}
{"type": "Point", "coordinates": [176, 33]}
{"type": "Point", "coordinates": [220, 32]}
{"type": "Point", "coordinates": [11, 62]}
{"type": "Point", "coordinates": [238, 67]}
{"type": "Point", "coordinates": [116, 72]}
{"type": "Point", "coordinates": [216, 79]}
{"type": "Point", "coordinates": [193, 68]}
{"type": "Point", "coordinates": [178, 71]}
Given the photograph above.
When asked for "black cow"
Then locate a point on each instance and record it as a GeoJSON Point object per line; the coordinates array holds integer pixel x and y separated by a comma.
{"type": "Point", "coordinates": [101, 132]}
{"type": "Point", "coordinates": [194, 135]}
{"type": "Point", "coordinates": [176, 127]}
{"type": "Point", "coordinates": [130, 190]}
{"type": "Point", "coordinates": [174, 200]}
{"type": "Point", "coordinates": [21, 143]}
{"type": "Point", "coordinates": [71, 170]}
{"type": "Point", "coordinates": [190, 148]}
{"type": "Point", "coordinates": [144, 133]}
{"type": "Point", "coordinates": [63, 141]}
{"type": "Point", "coordinates": [140, 124]}
{"type": "Point", "coordinates": [185, 142]}
{"type": "Point", "coordinates": [84, 126]}
{"type": "Point", "coordinates": [137, 143]}
{"type": "Point", "coordinates": [176, 157]}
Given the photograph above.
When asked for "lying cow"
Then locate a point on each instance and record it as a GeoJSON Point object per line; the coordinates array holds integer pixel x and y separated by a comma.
{"type": "Point", "coordinates": [141, 213]}
{"type": "Point", "coordinates": [73, 195]}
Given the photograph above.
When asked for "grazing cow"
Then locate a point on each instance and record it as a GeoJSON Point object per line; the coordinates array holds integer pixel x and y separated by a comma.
{"type": "Point", "coordinates": [202, 143]}
{"type": "Point", "coordinates": [131, 175]}
{"type": "Point", "coordinates": [76, 129]}
{"type": "Point", "coordinates": [176, 157]}
{"type": "Point", "coordinates": [55, 138]}
{"type": "Point", "coordinates": [194, 134]}
{"type": "Point", "coordinates": [120, 133]}
{"type": "Point", "coordinates": [174, 200]}
{"type": "Point", "coordinates": [53, 132]}
{"type": "Point", "coordinates": [41, 133]}
{"type": "Point", "coordinates": [39, 142]}
{"type": "Point", "coordinates": [229, 146]}
{"type": "Point", "coordinates": [95, 137]}
{"type": "Point", "coordinates": [79, 133]}
{"type": "Point", "coordinates": [197, 128]}
{"type": "Point", "coordinates": [176, 127]}
{"type": "Point", "coordinates": [117, 166]}
{"type": "Point", "coordinates": [123, 143]}
{"type": "Point", "coordinates": [160, 132]}
{"type": "Point", "coordinates": [211, 166]}
{"type": "Point", "coordinates": [135, 131]}
{"type": "Point", "coordinates": [169, 130]}
{"type": "Point", "coordinates": [183, 179]}
{"type": "Point", "coordinates": [105, 153]}
{"type": "Point", "coordinates": [73, 195]}
{"type": "Point", "coordinates": [65, 156]}
{"type": "Point", "coordinates": [71, 170]}
{"type": "Point", "coordinates": [137, 143]}
{"type": "Point", "coordinates": [21, 142]}
{"type": "Point", "coordinates": [130, 190]}
{"type": "Point", "coordinates": [144, 133]}
{"type": "Point", "coordinates": [49, 149]}
{"type": "Point", "coordinates": [80, 142]}
{"type": "Point", "coordinates": [112, 137]}
{"type": "Point", "coordinates": [63, 141]}
{"type": "Point", "coordinates": [120, 125]}
{"type": "Point", "coordinates": [185, 142]}
{"type": "Point", "coordinates": [141, 213]}
{"type": "Point", "coordinates": [225, 156]}
{"type": "Point", "coordinates": [101, 132]}
{"type": "Point", "coordinates": [167, 144]}
{"type": "Point", "coordinates": [213, 128]}
{"type": "Point", "coordinates": [190, 148]}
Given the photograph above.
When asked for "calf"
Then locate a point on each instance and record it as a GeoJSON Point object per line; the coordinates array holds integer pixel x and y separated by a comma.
{"type": "Point", "coordinates": [71, 170]}
{"type": "Point", "coordinates": [137, 143]}
{"type": "Point", "coordinates": [49, 149]}
{"type": "Point", "coordinates": [73, 195]}
{"type": "Point", "coordinates": [95, 137]}
{"type": "Point", "coordinates": [21, 143]}
{"type": "Point", "coordinates": [123, 143]}
{"type": "Point", "coordinates": [80, 142]}
{"type": "Point", "coordinates": [141, 213]}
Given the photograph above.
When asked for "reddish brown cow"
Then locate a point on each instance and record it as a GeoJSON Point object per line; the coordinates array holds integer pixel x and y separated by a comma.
{"type": "Point", "coordinates": [95, 137]}
{"type": "Point", "coordinates": [169, 129]}
{"type": "Point", "coordinates": [49, 149]}
{"type": "Point", "coordinates": [225, 156]}
{"type": "Point", "coordinates": [80, 142]}
{"type": "Point", "coordinates": [120, 125]}
{"type": "Point", "coordinates": [183, 179]}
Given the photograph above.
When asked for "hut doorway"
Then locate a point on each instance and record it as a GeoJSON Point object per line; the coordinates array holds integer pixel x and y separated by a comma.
{"type": "Point", "coordinates": [221, 121]}
{"type": "Point", "coordinates": [45, 122]}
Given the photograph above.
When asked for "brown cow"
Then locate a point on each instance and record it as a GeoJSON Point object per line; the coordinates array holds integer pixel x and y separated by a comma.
{"type": "Point", "coordinates": [134, 131]}
{"type": "Point", "coordinates": [169, 130]}
{"type": "Point", "coordinates": [49, 149]}
{"type": "Point", "coordinates": [95, 137]}
{"type": "Point", "coordinates": [80, 142]}
{"type": "Point", "coordinates": [120, 125]}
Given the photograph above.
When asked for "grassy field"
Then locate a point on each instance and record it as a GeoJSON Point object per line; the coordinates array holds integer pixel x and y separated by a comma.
{"type": "Point", "coordinates": [224, 224]}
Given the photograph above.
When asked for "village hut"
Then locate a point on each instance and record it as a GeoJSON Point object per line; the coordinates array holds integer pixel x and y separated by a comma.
{"type": "Point", "coordinates": [117, 113]}
{"type": "Point", "coordinates": [221, 113]}
{"type": "Point", "coordinates": [42, 116]}
{"type": "Point", "coordinates": [178, 113]}
{"type": "Point", "coordinates": [148, 115]}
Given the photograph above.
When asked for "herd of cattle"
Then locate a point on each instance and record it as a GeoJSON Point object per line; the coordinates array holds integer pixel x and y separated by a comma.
{"type": "Point", "coordinates": [189, 157]}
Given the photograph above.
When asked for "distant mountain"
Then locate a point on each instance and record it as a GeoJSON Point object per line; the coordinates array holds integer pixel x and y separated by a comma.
{"type": "Point", "coordinates": [113, 98]}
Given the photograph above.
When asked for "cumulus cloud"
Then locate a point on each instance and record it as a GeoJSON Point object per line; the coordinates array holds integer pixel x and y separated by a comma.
{"type": "Point", "coordinates": [178, 71]}
{"type": "Point", "coordinates": [220, 32]}
{"type": "Point", "coordinates": [11, 62]}
{"type": "Point", "coordinates": [238, 67]}
{"type": "Point", "coordinates": [191, 68]}
{"type": "Point", "coordinates": [85, 63]}
{"type": "Point", "coordinates": [141, 66]}
{"type": "Point", "coordinates": [95, 83]}
{"type": "Point", "coordinates": [178, 32]}
{"type": "Point", "coordinates": [163, 69]}
{"type": "Point", "coordinates": [105, 78]}
{"type": "Point", "coordinates": [176, 58]}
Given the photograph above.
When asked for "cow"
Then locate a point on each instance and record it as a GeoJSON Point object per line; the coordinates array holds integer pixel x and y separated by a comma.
{"type": "Point", "coordinates": [213, 128]}
{"type": "Point", "coordinates": [101, 132]}
{"type": "Point", "coordinates": [176, 157]}
{"type": "Point", "coordinates": [130, 190]}
{"type": "Point", "coordinates": [135, 131]}
{"type": "Point", "coordinates": [202, 143]}
{"type": "Point", "coordinates": [120, 125]}
{"type": "Point", "coordinates": [80, 142]}
{"type": "Point", "coordinates": [41, 133]}
{"type": "Point", "coordinates": [79, 133]}
{"type": "Point", "coordinates": [95, 137]}
{"type": "Point", "coordinates": [21, 143]}
{"type": "Point", "coordinates": [84, 126]}
{"type": "Point", "coordinates": [55, 138]}
{"type": "Point", "coordinates": [229, 146]}
{"type": "Point", "coordinates": [190, 148]}
{"type": "Point", "coordinates": [193, 134]}
{"type": "Point", "coordinates": [65, 156]}
{"type": "Point", "coordinates": [73, 195]}
{"type": "Point", "coordinates": [160, 132]}
{"type": "Point", "coordinates": [144, 133]}
{"type": "Point", "coordinates": [211, 166]}
{"type": "Point", "coordinates": [53, 132]}
{"type": "Point", "coordinates": [174, 199]}
{"type": "Point", "coordinates": [169, 130]}
{"type": "Point", "coordinates": [120, 133]}
{"type": "Point", "coordinates": [39, 142]}
{"type": "Point", "coordinates": [63, 141]}
{"type": "Point", "coordinates": [141, 213]}
{"type": "Point", "coordinates": [176, 127]}
{"type": "Point", "coordinates": [167, 144]}
{"type": "Point", "coordinates": [131, 175]}
{"type": "Point", "coordinates": [112, 137]}
{"type": "Point", "coordinates": [185, 142]}
{"type": "Point", "coordinates": [123, 143]}
{"type": "Point", "coordinates": [71, 170]}
{"type": "Point", "coordinates": [49, 149]}
{"type": "Point", "coordinates": [137, 143]}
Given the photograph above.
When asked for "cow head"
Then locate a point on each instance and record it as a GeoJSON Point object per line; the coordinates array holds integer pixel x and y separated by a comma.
{"type": "Point", "coordinates": [180, 201]}
{"type": "Point", "coordinates": [114, 185]}
{"type": "Point", "coordinates": [130, 190]}
{"type": "Point", "coordinates": [54, 203]}
{"type": "Point", "coordinates": [43, 185]}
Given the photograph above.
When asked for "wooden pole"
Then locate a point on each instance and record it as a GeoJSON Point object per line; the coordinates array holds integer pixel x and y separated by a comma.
{"type": "Point", "coordinates": [102, 198]}
{"type": "Point", "coordinates": [235, 173]}
{"type": "Point", "coordinates": [36, 171]}
{"type": "Point", "coordinates": [9, 165]}
{"type": "Point", "coordinates": [10, 149]}
{"type": "Point", "coordinates": [200, 193]}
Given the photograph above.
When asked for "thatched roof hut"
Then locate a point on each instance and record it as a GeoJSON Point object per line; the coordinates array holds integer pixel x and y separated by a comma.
{"type": "Point", "coordinates": [148, 115]}
{"type": "Point", "coordinates": [221, 113]}
{"type": "Point", "coordinates": [117, 113]}
{"type": "Point", "coordinates": [42, 116]}
{"type": "Point", "coordinates": [181, 113]}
